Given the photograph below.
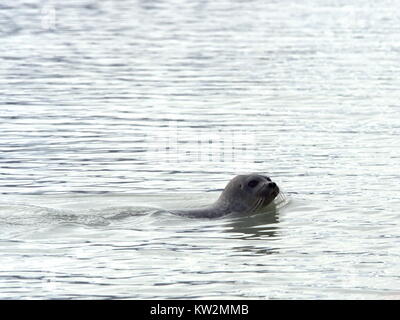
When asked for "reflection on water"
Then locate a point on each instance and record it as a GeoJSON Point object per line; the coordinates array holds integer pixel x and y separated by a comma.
{"type": "Point", "coordinates": [114, 112]}
{"type": "Point", "coordinates": [260, 226]}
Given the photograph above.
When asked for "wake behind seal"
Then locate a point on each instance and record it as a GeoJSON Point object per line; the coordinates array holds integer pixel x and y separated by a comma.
{"type": "Point", "coordinates": [243, 194]}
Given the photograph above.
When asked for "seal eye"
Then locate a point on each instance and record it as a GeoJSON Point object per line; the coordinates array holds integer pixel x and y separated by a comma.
{"type": "Point", "coordinates": [252, 183]}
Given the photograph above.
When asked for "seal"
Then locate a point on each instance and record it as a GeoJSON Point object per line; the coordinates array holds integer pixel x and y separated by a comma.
{"type": "Point", "coordinates": [243, 194]}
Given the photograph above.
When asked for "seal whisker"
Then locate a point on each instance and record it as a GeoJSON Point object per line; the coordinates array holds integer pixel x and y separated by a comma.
{"type": "Point", "coordinates": [259, 204]}
{"type": "Point", "coordinates": [262, 202]}
{"type": "Point", "coordinates": [254, 208]}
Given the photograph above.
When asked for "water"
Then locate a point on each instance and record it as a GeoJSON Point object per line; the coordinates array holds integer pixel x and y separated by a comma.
{"type": "Point", "coordinates": [112, 112]}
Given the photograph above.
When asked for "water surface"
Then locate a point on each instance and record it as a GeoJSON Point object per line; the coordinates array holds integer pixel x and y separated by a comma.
{"type": "Point", "coordinates": [113, 111]}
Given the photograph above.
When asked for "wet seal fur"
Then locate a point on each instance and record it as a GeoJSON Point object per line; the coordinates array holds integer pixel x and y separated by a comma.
{"type": "Point", "coordinates": [243, 194]}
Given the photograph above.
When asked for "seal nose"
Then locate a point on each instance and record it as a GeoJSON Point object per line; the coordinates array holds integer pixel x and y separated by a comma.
{"type": "Point", "coordinates": [272, 185]}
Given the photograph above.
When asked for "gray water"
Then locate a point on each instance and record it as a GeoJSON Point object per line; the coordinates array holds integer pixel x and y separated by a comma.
{"type": "Point", "coordinates": [114, 112]}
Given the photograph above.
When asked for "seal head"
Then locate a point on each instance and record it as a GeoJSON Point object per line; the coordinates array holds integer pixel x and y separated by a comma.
{"type": "Point", "coordinates": [243, 194]}
{"type": "Point", "coordinates": [248, 193]}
